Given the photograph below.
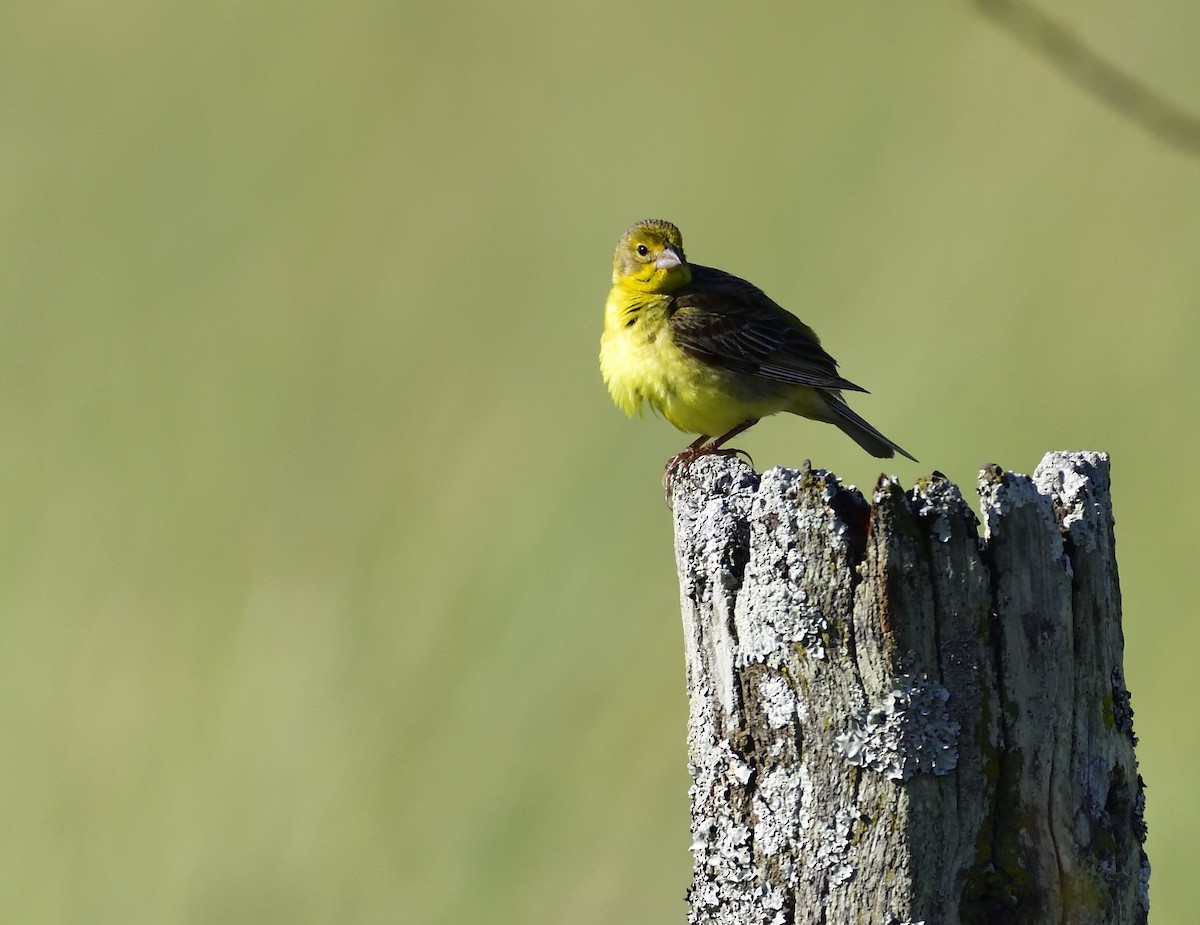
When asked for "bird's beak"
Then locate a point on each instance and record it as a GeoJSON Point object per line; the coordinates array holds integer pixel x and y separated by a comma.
{"type": "Point", "coordinates": [668, 259]}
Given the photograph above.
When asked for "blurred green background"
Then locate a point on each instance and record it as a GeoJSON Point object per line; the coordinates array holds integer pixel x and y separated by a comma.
{"type": "Point", "coordinates": [334, 589]}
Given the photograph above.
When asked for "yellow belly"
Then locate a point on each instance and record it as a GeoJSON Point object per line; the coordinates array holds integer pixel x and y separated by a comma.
{"type": "Point", "coordinates": [641, 365]}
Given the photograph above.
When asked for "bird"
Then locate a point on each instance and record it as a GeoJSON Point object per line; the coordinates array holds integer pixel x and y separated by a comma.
{"type": "Point", "coordinates": [712, 353]}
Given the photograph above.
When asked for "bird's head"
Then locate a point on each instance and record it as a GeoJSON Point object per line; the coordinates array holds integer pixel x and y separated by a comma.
{"type": "Point", "coordinates": [650, 258]}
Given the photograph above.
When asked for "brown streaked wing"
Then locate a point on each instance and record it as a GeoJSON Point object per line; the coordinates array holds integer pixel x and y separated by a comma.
{"type": "Point", "coordinates": [730, 323]}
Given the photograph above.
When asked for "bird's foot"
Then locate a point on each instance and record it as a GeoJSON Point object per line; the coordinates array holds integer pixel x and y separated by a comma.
{"type": "Point", "coordinates": [681, 460]}
{"type": "Point", "coordinates": [675, 466]}
{"type": "Point", "coordinates": [733, 451]}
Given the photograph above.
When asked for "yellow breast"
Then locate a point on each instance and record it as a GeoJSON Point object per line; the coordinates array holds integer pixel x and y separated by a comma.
{"type": "Point", "coordinates": [642, 366]}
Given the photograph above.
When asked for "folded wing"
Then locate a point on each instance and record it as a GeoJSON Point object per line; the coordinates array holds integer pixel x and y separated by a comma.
{"type": "Point", "coordinates": [729, 323]}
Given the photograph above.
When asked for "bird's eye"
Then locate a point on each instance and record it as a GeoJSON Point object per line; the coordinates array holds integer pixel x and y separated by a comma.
{"type": "Point", "coordinates": [642, 250]}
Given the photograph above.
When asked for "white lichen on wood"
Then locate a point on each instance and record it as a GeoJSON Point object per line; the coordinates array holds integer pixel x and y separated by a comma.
{"type": "Point", "coordinates": [909, 733]}
{"type": "Point", "coordinates": [892, 719]}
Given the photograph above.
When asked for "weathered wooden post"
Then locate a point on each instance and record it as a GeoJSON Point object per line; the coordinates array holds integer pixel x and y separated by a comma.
{"type": "Point", "coordinates": [893, 720]}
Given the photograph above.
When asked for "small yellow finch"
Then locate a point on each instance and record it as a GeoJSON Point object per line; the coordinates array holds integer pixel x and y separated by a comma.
{"type": "Point", "coordinates": [711, 352]}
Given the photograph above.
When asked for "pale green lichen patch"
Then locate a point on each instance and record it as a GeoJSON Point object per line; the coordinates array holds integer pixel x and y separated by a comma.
{"type": "Point", "coordinates": [937, 502]}
{"type": "Point", "coordinates": [909, 733]}
{"type": "Point", "coordinates": [1001, 493]}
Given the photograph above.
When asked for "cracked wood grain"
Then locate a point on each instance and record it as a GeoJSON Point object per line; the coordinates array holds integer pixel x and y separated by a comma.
{"type": "Point", "coordinates": [894, 719]}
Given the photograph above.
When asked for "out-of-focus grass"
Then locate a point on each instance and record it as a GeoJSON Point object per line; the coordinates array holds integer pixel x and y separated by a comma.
{"type": "Point", "coordinates": [332, 587]}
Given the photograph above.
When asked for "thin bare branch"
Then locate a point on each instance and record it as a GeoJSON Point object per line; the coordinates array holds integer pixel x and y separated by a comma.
{"type": "Point", "coordinates": [1108, 83]}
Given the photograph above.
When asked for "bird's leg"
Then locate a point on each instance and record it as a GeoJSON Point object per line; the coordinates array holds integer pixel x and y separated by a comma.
{"type": "Point", "coordinates": [699, 447]}
{"type": "Point", "coordinates": [715, 446]}
{"type": "Point", "coordinates": [729, 435]}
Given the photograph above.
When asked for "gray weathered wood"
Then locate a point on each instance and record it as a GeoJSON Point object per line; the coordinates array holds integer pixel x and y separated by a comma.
{"type": "Point", "coordinates": [894, 720]}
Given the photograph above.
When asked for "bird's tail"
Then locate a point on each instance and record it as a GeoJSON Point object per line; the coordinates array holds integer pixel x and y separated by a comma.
{"type": "Point", "coordinates": [860, 431]}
